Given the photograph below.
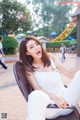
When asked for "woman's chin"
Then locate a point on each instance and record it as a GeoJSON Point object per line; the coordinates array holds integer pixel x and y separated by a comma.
{"type": "Point", "coordinates": [39, 56]}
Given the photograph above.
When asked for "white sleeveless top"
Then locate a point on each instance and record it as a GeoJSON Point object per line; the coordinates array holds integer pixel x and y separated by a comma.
{"type": "Point", "coordinates": [50, 81]}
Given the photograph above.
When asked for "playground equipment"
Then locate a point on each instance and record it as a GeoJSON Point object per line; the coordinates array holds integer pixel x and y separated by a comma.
{"type": "Point", "coordinates": [70, 27]}
{"type": "Point", "coordinates": [66, 32]}
{"type": "Point", "coordinates": [70, 38]}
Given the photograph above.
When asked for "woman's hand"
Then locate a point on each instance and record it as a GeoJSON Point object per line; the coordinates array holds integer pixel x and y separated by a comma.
{"type": "Point", "coordinates": [60, 101]}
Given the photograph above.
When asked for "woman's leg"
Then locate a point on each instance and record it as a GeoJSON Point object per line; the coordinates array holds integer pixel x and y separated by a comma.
{"type": "Point", "coordinates": [72, 93]}
{"type": "Point", "coordinates": [37, 104]}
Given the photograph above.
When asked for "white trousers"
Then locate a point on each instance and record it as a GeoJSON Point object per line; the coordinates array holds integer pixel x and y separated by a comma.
{"type": "Point", "coordinates": [38, 101]}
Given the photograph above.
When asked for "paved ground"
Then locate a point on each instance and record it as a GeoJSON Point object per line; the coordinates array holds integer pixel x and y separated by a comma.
{"type": "Point", "coordinates": [12, 102]}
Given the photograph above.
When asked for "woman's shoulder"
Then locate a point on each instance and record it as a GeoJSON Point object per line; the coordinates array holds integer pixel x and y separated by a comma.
{"type": "Point", "coordinates": [52, 60]}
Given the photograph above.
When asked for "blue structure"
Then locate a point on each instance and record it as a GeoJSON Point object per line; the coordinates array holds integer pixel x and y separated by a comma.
{"type": "Point", "coordinates": [70, 38]}
{"type": "Point", "coordinates": [53, 35]}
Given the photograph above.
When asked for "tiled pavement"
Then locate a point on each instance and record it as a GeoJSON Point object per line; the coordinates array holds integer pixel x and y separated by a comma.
{"type": "Point", "coordinates": [11, 99]}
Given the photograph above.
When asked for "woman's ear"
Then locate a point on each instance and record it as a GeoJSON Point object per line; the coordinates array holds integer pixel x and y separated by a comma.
{"type": "Point", "coordinates": [27, 53]}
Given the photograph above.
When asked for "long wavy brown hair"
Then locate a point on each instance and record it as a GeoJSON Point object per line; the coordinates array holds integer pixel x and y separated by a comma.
{"type": "Point", "coordinates": [27, 60]}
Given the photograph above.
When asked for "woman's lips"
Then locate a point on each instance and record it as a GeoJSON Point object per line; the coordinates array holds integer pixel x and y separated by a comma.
{"type": "Point", "coordinates": [38, 52]}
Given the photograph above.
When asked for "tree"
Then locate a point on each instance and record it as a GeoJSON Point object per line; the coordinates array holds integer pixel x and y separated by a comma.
{"type": "Point", "coordinates": [15, 16]}
{"type": "Point", "coordinates": [54, 16]}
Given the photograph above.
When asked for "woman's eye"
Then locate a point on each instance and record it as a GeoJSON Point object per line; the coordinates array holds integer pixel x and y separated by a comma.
{"type": "Point", "coordinates": [31, 47]}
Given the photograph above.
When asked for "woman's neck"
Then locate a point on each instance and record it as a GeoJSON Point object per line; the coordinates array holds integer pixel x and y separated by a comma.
{"type": "Point", "coordinates": [37, 61]}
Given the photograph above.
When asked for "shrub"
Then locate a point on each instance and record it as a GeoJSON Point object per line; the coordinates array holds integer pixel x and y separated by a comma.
{"type": "Point", "coordinates": [10, 45]}
{"type": "Point", "coordinates": [73, 42]}
{"type": "Point", "coordinates": [58, 44]}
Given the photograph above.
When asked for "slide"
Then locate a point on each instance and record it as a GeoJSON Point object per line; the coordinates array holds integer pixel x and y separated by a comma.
{"type": "Point", "coordinates": [66, 32]}
{"type": "Point", "coordinates": [68, 29]}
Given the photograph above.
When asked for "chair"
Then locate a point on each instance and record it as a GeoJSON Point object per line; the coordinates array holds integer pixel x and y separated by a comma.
{"type": "Point", "coordinates": [26, 89]}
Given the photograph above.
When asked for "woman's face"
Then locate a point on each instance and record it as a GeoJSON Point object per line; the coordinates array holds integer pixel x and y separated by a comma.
{"type": "Point", "coordinates": [34, 49]}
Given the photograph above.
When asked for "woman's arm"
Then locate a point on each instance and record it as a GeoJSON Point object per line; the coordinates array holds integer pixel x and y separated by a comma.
{"type": "Point", "coordinates": [60, 101]}
{"type": "Point", "coordinates": [64, 70]}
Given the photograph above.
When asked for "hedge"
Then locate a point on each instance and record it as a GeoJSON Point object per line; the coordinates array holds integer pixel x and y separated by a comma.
{"type": "Point", "coordinates": [58, 43]}
{"type": "Point", "coordinates": [10, 45]}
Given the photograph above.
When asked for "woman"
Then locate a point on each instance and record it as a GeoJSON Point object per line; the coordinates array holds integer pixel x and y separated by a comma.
{"type": "Point", "coordinates": [44, 75]}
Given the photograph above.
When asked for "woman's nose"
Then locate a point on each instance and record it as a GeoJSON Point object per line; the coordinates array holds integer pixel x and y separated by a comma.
{"type": "Point", "coordinates": [36, 47]}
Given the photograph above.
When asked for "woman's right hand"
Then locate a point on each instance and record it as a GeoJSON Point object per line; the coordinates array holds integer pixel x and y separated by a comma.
{"type": "Point", "coordinates": [60, 101]}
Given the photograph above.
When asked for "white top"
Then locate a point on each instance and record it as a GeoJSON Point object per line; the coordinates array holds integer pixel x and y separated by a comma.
{"type": "Point", "coordinates": [50, 81]}
{"type": "Point", "coordinates": [62, 49]}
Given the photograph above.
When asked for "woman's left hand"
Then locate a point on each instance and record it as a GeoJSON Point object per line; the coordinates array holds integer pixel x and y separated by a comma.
{"type": "Point", "coordinates": [60, 101]}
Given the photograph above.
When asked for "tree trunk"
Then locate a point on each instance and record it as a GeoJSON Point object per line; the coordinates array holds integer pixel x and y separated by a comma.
{"type": "Point", "coordinates": [78, 35]}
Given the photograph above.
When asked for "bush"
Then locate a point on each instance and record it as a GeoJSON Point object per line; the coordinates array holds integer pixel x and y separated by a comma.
{"type": "Point", "coordinates": [73, 42]}
{"type": "Point", "coordinates": [58, 44]}
{"type": "Point", "coordinates": [10, 45]}
{"type": "Point", "coordinates": [67, 43]}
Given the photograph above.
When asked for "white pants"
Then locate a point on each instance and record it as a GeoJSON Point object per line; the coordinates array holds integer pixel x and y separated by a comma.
{"type": "Point", "coordinates": [38, 101]}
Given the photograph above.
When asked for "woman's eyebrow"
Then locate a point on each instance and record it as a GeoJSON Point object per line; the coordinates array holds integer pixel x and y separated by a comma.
{"type": "Point", "coordinates": [31, 45]}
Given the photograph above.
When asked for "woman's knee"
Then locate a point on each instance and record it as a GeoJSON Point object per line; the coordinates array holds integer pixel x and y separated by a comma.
{"type": "Point", "coordinates": [78, 72]}
{"type": "Point", "coordinates": [38, 95]}
{"type": "Point", "coordinates": [77, 75]}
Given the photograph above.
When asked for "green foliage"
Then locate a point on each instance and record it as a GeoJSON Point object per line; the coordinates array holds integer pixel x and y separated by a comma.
{"type": "Point", "coordinates": [43, 31]}
{"type": "Point", "coordinates": [54, 16]}
{"type": "Point", "coordinates": [73, 42]}
{"type": "Point", "coordinates": [10, 45]}
{"type": "Point", "coordinates": [15, 16]}
{"type": "Point", "coordinates": [58, 44]}
{"type": "Point", "coordinates": [74, 33]}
